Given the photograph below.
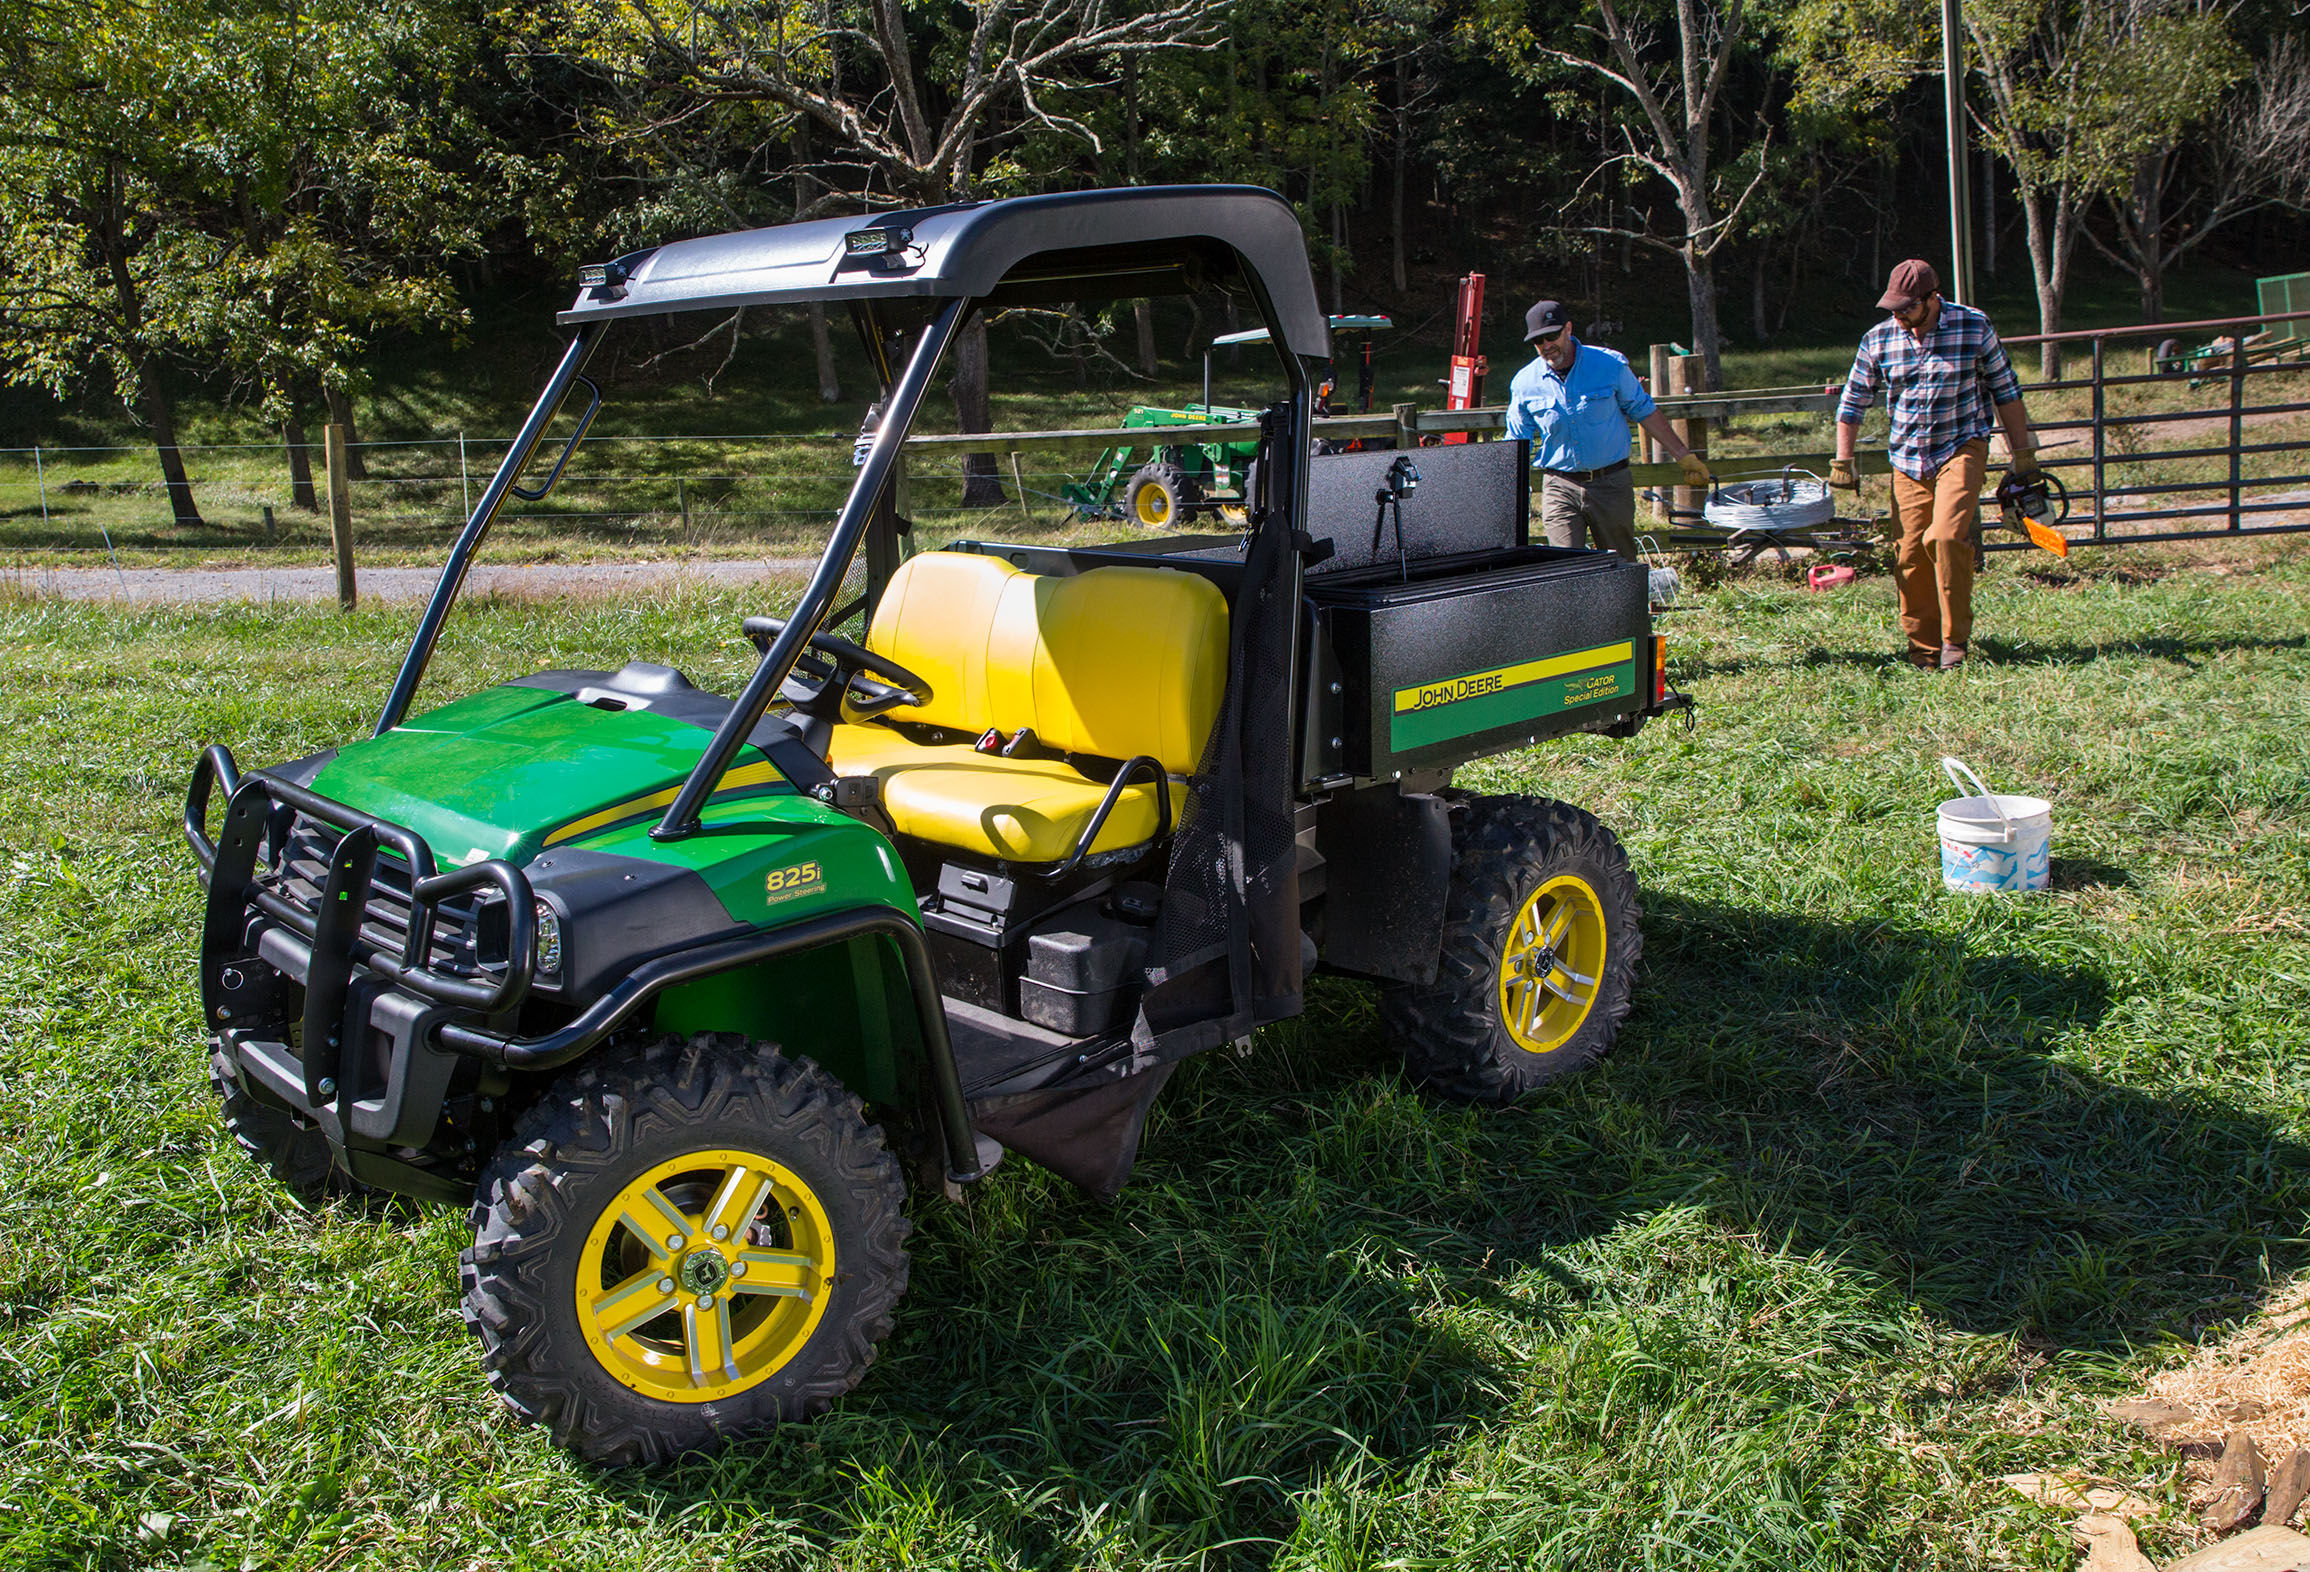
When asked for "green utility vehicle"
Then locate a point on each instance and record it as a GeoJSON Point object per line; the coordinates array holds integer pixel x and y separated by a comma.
{"type": "Point", "coordinates": [1179, 480]}
{"type": "Point", "coordinates": [673, 989]}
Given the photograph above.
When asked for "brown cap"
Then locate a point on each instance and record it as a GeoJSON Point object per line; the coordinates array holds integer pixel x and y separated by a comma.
{"type": "Point", "coordinates": [1911, 282]}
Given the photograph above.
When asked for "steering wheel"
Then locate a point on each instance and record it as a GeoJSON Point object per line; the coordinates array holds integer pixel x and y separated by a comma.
{"type": "Point", "coordinates": [831, 668]}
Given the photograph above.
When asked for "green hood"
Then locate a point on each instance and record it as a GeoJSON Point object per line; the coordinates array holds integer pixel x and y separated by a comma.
{"type": "Point", "coordinates": [513, 770]}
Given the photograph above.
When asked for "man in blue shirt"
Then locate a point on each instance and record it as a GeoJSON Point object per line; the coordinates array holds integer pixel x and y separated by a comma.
{"type": "Point", "coordinates": [1573, 403]}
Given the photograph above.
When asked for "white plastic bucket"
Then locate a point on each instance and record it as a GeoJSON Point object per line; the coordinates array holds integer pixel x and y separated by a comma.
{"type": "Point", "coordinates": [1993, 844]}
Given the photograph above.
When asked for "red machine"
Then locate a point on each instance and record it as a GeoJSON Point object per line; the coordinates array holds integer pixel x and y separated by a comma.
{"type": "Point", "coordinates": [1465, 390]}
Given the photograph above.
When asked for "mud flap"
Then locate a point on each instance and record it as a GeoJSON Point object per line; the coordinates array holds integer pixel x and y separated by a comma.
{"type": "Point", "coordinates": [1088, 1136]}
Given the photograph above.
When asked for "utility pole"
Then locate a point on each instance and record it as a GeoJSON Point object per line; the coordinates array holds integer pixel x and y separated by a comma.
{"type": "Point", "coordinates": [1959, 283]}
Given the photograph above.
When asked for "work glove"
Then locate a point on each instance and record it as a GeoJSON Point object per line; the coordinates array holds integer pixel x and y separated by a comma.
{"type": "Point", "coordinates": [1841, 475]}
{"type": "Point", "coordinates": [2024, 462]}
{"type": "Point", "coordinates": [1695, 470]}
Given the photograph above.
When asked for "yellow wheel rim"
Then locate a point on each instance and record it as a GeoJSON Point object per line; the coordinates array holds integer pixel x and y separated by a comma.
{"type": "Point", "coordinates": [1235, 512]}
{"type": "Point", "coordinates": [705, 1275]}
{"type": "Point", "coordinates": [1552, 964]}
{"type": "Point", "coordinates": [1152, 505]}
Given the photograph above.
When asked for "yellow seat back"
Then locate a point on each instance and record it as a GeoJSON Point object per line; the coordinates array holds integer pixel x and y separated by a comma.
{"type": "Point", "coordinates": [1114, 662]}
{"type": "Point", "coordinates": [936, 618]}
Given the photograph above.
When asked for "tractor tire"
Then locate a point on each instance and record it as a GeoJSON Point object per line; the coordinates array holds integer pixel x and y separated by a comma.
{"type": "Point", "coordinates": [772, 1258]}
{"type": "Point", "coordinates": [293, 1152]}
{"type": "Point", "coordinates": [1160, 496]}
{"type": "Point", "coordinates": [1542, 932]}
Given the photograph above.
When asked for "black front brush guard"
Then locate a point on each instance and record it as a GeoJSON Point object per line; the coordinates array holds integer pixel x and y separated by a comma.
{"type": "Point", "coordinates": [338, 947]}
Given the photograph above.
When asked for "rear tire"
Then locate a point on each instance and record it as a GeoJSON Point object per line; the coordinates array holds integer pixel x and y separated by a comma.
{"type": "Point", "coordinates": [1542, 932]}
{"type": "Point", "coordinates": [1160, 496]}
{"type": "Point", "coordinates": [296, 1154]}
{"type": "Point", "coordinates": [682, 1242]}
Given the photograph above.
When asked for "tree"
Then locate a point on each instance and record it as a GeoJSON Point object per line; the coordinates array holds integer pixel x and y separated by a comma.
{"type": "Point", "coordinates": [109, 278]}
{"type": "Point", "coordinates": [1674, 92]}
{"type": "Point", "coordinates": [202, 184]}
{"type": "Point", "coordinates": [2255, 154]}
{"type": "Point", "coordinates": [907, 107]}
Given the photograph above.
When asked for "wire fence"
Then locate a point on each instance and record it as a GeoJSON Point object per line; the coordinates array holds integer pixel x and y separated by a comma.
{"type": "Point", "coordinates": [2211, 436]}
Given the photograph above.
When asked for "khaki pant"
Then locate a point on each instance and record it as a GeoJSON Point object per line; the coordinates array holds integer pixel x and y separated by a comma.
{"type": "Point", "coordinates": [1934, 565]}
{"type": "Point", "coordinates": [1571, 511]}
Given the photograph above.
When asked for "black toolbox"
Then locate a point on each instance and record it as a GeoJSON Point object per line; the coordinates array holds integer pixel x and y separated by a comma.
{"type": "Point", "coordinates": [1460, 656]}
{"type": "Point", "coordinates": [1437, 633]}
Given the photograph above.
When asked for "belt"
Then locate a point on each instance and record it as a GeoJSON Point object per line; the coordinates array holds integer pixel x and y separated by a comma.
{"type": "Point", "coordinates": [1584, 476]}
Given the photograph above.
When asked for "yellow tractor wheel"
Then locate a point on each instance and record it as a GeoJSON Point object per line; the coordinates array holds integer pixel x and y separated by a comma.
{"type": "Point", "coordinates": [1160, 496]}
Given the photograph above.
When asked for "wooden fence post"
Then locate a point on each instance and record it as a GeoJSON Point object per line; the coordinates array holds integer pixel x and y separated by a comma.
{"type": "Point", "coordinates": [1663, 356]}
{"type": "Point", "coordinates": [1686, 374]}
{"type": "Point", "coordinates": [340, 513]}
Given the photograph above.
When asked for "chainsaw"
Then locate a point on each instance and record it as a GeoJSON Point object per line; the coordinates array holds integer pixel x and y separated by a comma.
{"type": "Point", "coordinates": [2035, 507]}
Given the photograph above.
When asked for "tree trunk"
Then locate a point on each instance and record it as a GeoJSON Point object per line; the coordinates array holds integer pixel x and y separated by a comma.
{"type": "Point", "coordinates": [341, 414]}
{"type": "Point", "coordinates": [152, 393]}
{"type": "Point", "coordinates": [2149, 228]}
{"type": "Point", "coordinates": [300, 464]}
{"type": "Point", "coordinates": [822, 347]}
{"type": "Point", "coordinates": [1397, 273]}
{"type": "Point", "coordinates": [974, 411]}
{"type": "Point", "coordinates": [1759, 321]}
{"type": "Point", "coordinates": [1988, 211]}
{"type": "Point", "coordinates": [2047, 279]}
{"type": "Point", "coordinates": [1143, 313]}
{"type": "Point", "coordinates": [1700, 284]}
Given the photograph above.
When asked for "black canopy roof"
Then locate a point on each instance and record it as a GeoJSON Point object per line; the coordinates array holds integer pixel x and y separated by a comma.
{"type": "Point", "coordinates": [1073, 245]}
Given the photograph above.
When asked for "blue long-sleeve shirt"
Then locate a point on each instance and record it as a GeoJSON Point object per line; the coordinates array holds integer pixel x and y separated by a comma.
{"type": "Point", "coordinates": [1578, 420]}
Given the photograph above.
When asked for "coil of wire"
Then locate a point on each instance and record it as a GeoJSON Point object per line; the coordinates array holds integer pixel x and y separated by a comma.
{"type": "Point", "coordinates": [1796, 500]}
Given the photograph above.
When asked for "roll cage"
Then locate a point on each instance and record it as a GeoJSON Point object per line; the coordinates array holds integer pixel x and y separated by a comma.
{"type": "Point", "coordinates": [1085, 246]}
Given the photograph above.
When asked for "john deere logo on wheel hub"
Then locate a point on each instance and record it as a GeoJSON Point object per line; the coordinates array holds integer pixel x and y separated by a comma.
{"type": "Point", "coordinates": [1480, 700]}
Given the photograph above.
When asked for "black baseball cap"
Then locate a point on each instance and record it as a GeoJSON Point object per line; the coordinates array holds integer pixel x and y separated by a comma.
{"type": "Point", "coordinates": [1544, 319]}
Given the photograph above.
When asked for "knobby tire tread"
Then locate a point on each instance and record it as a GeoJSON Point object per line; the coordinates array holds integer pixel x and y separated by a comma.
{"type": "Point", "coordinates": [592, 1119]}
{"type": "Point", "coordinates": [1502, 848]}
{"type": "Point", "coordinates": [295, 1154]}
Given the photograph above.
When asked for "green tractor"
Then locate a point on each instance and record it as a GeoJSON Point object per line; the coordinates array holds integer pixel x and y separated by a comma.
{"type": "Point", "coordinates": [674, 990]}
{"type": "Point", "coordinates": [1178, 480]}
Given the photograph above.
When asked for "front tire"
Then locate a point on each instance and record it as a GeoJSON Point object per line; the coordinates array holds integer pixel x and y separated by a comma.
{"type": "Point", "coordinates": [295, 1153]}
{"type": "Point", "coordinates": [1160, 496]}
{"type": "Point", "coordinates": [1542, 932]}
{"type": "Point", "coordinates": [683, 1242]}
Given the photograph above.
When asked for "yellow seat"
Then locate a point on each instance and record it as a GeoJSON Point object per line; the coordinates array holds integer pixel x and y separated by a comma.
{"type": "Point", "coordinates": [1114, 663]}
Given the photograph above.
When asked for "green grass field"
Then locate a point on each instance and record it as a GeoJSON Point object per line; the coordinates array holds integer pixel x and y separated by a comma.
{"type": "Point", "coordinates": [1883, 1192]}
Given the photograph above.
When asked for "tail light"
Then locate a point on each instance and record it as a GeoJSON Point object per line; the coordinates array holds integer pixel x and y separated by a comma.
{"type": "Point", "coordinates": [1659, 669]}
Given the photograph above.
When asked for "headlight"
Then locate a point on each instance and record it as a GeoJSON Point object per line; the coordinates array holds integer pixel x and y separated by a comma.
{"type": "Point", "coordinates": [548, 940]}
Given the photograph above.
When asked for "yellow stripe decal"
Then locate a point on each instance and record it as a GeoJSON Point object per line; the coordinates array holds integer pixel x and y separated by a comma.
{"type": "Point", "coordinates": [1476, 684]}
{"type": "Point", "coordinates": [746, 775]}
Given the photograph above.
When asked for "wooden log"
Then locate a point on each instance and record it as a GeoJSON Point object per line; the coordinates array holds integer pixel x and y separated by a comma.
{"type": "Point", "coordinates": [2267, 1549]}
{"type": "Point", "coordinates": [2289, 1483]}
{"type": "Point", "coordinates": [2238, 1485]}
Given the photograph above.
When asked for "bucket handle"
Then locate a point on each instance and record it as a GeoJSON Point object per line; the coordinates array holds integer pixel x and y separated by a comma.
{"type": "Point", "coordinates": [1952, 768]}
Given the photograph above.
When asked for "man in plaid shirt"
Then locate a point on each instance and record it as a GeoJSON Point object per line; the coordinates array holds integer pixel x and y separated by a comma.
{"type": "Point", "coordinates": [1942, 369]}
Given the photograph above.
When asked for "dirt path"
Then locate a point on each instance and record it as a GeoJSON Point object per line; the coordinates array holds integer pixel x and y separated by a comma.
{"type": "Point", "coordinates": [539, 579]}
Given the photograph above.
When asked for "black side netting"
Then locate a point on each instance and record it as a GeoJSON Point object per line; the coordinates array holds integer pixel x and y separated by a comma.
{"type": "Point", "coordinates": [1226, 955]}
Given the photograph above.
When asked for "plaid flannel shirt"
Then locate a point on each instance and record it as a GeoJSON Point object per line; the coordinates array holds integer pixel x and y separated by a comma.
{"type": "Point", "coordinates": [1941, 391]}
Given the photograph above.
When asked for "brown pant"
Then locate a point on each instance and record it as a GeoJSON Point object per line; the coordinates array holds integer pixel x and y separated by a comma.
{"type": "Point", "coordinates": [1596, 515]}
{"type": "Point", "coordinates": [1934, 566]}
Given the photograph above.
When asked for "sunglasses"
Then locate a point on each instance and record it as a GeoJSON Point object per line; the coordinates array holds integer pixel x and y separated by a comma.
{"type": "Point", "coordinates": [1552, 335]}
{"type": "Point", "coordinates": [1910, 312]}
